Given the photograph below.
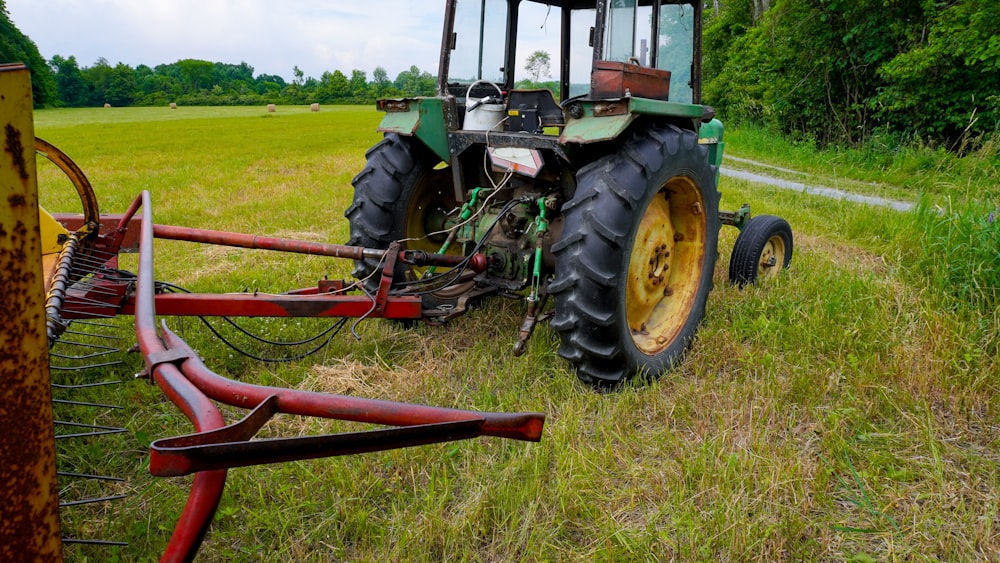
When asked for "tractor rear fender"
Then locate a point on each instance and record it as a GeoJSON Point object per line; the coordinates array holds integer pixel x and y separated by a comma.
{"type": "Point", "coordinates": [423, 118]}
{"type": "Point", "coordinates": [592, 121]}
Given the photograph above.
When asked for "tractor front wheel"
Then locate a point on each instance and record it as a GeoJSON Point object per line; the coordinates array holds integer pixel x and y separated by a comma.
{"type": "Point", "coordinates": [635, 263]}
{"type": "Point", "coordinates": [763, 248]}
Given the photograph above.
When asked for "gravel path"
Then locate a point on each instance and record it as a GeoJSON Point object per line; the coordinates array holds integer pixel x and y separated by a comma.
{"type": "Point", "coordinates": [807, 188]}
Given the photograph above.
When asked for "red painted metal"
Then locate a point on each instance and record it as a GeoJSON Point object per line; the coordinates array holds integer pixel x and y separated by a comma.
{"type": "Point", "coordinates": [109, 223]}
{"type": "Point", "coordinates": [520, 426]}
{"type": "Point", "coordinates": [231, 446]}
{"type": "Point", "coordinates": [240, 240]}
{"type": "Point", "coordinates": [190, 385]}
{"type": "Point", "coordinates": [207, 487]}
{"type": "Point", "coordinates": [268, 305]}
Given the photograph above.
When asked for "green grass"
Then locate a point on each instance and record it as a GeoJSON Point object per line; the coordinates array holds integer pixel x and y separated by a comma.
{"type": "Point", "coordinates": [846, 411]}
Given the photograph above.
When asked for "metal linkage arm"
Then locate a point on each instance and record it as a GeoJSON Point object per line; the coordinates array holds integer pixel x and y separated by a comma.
{"type": "Point", "coordinates": [189, 384]}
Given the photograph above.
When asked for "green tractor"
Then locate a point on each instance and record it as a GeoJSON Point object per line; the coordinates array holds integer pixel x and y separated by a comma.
{"type": "Point", "coordinates": [601, 196]}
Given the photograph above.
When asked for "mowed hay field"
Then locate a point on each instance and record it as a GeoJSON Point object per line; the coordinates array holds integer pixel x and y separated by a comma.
{"type": "Point", "coordinates": [845, 411]}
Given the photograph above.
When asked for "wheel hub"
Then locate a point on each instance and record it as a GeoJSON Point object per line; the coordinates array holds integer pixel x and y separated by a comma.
{"type": "Point", "coordinates": [649, 267]}
{"type": "Point", "coordinates": [665, 266]}
{"type": "Point", "coordinates": [769, 257]}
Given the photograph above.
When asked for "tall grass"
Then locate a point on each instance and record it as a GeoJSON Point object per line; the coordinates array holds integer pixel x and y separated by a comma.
{"type": "Point", "coordinates": [846, 411]}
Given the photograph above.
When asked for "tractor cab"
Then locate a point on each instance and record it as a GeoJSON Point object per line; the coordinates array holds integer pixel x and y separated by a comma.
{"type": "Point", "coordinates": [597, 49]}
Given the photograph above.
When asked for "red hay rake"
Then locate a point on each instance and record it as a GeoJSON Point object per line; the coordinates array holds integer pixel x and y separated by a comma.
{"type": "Point", "coordinates": [83, 281]}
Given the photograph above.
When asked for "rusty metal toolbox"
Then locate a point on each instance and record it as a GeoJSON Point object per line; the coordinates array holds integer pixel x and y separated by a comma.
{"type": "Point", "coordinates": [612, 79]}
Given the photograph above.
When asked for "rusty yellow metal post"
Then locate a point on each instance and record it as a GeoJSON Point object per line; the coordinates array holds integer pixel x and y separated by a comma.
{"type": "Point", "coordinates": [29, 500]}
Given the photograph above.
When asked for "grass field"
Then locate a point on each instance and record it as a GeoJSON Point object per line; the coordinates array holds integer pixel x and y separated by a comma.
{"type": "Point", "coordinates": [847, 411]}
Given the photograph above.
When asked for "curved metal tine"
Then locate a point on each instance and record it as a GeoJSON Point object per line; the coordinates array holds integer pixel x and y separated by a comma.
{"type": "Point", "coordinates": [97, 324]}
{"type": "Point", "coordinates": [81, 368]}
{"type": "Point", "coordinates": [94, 542]}
{"type": "Point", "coordinates": [100, 430]}
{"type": "Point", "coordinates": [83, 356]}
{"type": "Point", "coordinates": [83, 404]}
{"type": "Point", "coordinates": [89, 434]}
{"type": "Point", "coordinates": [88, 476]}
{"type": "Point", "coordinates": [86, 345]}
{"type": "Point", "coordinates": [82, 425]}
{"type": "Point", "coordinates": [91, 500]}
{"type": "Point", "coordinates": [85, 385]}
{"type": "Point", "coordinates": [94, 334]}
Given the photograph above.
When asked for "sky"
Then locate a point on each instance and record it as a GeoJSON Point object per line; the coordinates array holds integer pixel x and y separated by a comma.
{"type": "Point", "coordinates": [272, 37]}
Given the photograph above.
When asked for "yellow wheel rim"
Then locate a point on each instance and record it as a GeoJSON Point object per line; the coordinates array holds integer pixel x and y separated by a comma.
{"type": "Point", "coordinates": [771, 258]}
{"type": "Point", "coordinates": [666, 264]}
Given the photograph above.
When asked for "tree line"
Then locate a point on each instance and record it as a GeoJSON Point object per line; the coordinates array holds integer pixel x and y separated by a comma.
{"type": "Point", "coordinates": [830, 71]}
{"type": "Point", "coordinates": [198, 82]}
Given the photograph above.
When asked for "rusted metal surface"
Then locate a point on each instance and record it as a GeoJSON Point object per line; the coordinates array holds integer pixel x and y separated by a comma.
{"type": "Point", "coordinates": [613, 79]}
{"type": "Point", "coordinates": [518, 426]}
{"type": "Point", "coordinates": [29, 502]}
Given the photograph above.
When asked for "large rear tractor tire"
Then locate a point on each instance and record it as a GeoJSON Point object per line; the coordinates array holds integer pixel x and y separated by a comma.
{"type": "Point", "coordinates": [635, 263]}
{"type": "Point", "coordinates": [399, 195]}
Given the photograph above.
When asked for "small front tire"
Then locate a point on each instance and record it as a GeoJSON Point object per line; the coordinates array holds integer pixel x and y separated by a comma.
{"type": "Point", "coordinates": [763, 248]}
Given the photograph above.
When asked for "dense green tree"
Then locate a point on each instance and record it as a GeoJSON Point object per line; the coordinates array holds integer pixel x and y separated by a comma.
{"type": "Point", "coordinates": [382, 87]}
{"type": "Point", "coordinates": [232, 77]}
{"type": "Point", "coordinates": [948, 83]}
{"type": "Point", "coordinates": [359, 86]}
{"type": "Point", "coordinates": [268, 84]}
{"type": "Point", "coordinates": [16, 47]}
{"type": "Point", "coordinates": [334, 87]}
{"type": "Point", "coordinates": [413, 82]}
{"type": "Point", "coordinates": [196, 74]}
{"type": "Point", "coordinates": [70, 85]}
{"type": "Point", "coordinates": [121, 89]}
{"type": "Point", "coordinates": [98, 78]}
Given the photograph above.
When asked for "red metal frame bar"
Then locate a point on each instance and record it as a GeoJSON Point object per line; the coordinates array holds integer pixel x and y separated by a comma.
{"type": "Point", "coordinates": [325, 300]}
{"type": "Point", "coordinates": [190, 385]}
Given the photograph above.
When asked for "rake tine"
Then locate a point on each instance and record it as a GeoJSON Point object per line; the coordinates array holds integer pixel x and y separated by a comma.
{"type": "Point", "coordinates": [91, 500]}
{"type": "Point", "coordinates": [84, 356]}
{"type": "Point", "coordinates": [81, 425]}
{"type": "Point", "coordinates": [95, 335]}
{"type": "Point", "coordinates": [83, 404]}
{"type": "Point", "coordinates": [96, 324]}
{"type": "Point", "coordinates": [86, 367]}
{"type": "Point", "coordinates": [84, 385]}
{"type": "Point", "coordinates": [86, 345]}
{"type": "Point", "coordinates": [88, 434]}
{"type": "Point", "coordinates": [88, 476]}
{"type": "Point", "coordinates": [94, 542]}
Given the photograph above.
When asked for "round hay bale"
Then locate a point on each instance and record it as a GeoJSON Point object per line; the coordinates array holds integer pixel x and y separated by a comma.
{"type": "Point", "coordinates": [173, 105]}
{"type": "Point", "coordinates": [314, 108]}
{"type": "Point", "coordinates": [107, 105]}
{"type": "Point", "coordinates": [271, 108]}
